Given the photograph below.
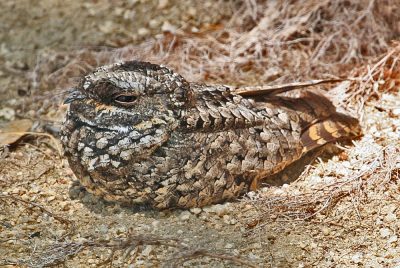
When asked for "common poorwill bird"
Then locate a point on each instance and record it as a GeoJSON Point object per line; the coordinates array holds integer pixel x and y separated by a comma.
{"type": "Point", "coordinates": [139, 133]}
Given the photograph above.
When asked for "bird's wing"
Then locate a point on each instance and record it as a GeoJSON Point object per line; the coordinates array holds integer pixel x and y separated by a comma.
{"type": "Point", "coordinates": [278, 89]}
{"type": "Point", "coordinates": [320, 122]}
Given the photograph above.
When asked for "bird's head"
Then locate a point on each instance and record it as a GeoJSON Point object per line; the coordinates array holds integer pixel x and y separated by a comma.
{"type": "Point", "coordinates": [127, 95]}
{"type": "Point", "coordinates": [121, 114]}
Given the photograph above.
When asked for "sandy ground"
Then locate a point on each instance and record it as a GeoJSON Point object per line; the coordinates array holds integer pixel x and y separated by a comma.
{"type": "Point", "coordinates": [45, 219]}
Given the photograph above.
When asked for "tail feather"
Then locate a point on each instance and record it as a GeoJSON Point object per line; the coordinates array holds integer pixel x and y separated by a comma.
{"type": "Point", "coordinates": [319, 120]}
{"type": "Point", "coordinates": [334, 128]}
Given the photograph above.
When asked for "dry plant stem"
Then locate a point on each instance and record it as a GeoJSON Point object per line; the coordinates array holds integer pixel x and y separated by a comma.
{"type": "Point", "coordinates": [59, 252]}
{"type": "Point", "coordinates": [42, 208]}
{"type": "Point", "coordinates": [306, 206]}
{"type": "Point", "coordinates": [368, 83]}
{"type": "Point", "coordinates": [194, 254]}
{"type": "Point", "coordinates": [292, 39]}
{"type": "Point", "coordinates": [38, 149]}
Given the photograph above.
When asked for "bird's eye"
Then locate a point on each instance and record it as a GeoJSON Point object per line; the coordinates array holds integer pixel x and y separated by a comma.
{"type": "Point", "coordinates": [125, 99]}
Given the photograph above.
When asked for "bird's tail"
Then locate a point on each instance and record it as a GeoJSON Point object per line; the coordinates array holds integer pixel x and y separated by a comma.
{"type": "Point", "coordinates": [334, 128]}
{"type": "Point", "coordinates": [321, 123]}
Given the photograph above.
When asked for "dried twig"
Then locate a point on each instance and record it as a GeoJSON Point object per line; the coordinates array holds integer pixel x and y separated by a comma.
{"type": "Point", "coordinates": [305, 206]}
{"type": "Point", "coordinates": [60, 252]}
{"type": "Point", "coordinates": [33, 204]}
{"type": "Point", "coordinates": [262, 42]}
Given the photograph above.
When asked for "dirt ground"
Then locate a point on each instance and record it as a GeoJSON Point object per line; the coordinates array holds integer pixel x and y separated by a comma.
{"type": "Point", "coordinates": [342, 212]}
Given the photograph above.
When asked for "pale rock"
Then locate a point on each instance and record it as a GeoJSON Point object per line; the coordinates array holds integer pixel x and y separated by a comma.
{"type": "Point", "coordinates": [396, 111]}
{"type": "Point", "coordinates": [192, 11]}
{"type": "Point", "coordinates": [185, 215]}
{"type": "Point", "coordinates": [7, 113]}
{"type": "Point", "coordinates": [392, 239]}
{"type": "Point", "coordinates": [226, 219]}
{"type": "Point", "coordinates": [162, 4]}
{"type": "Point", "coordinates": [357, 258]}
{"type": "Point", "coordinates": [147, 250]}
{"type": "Point", "coordinates": [143, 31]}
{"type": "Point", "coordinates": [220, 209]}
{"type": "Point", "coordinates": [196, 211]}
{"type": "Point", "coordinates": [168, 27]}
{"type": "Point", "coordinates": [384, 232]}
{"type": "Point", "coordinates": [390, 217]}
{"type": "Point", "coordinates": [107, 27]}
{"type": "Point", "coordinates": [153, 24]}
{"type": "Point", "coordinates": [326, 231]}
{"type": "Point", "coordinates": [229, 246]}
{"type": "Point", "coordinates": [155, 224]}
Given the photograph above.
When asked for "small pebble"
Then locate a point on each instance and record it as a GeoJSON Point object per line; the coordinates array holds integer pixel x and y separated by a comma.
{"type": "Point", "coordinates": [196, 211]}
{"type": "Point", "coordinates": [168, 27]}
{"type": "Point", "coordinates": [390, 217]}
{"type": "Point", "coordinates": [192, 11]}
{"type": "Point", "coordinates": [229, 246]}
{"type": "Point", "coordinates": [357, 258]}
{"type": "Point", "coordinates": [162, 4]}
{"type": "Point", "coordinates": [185, 215]}
{"type": "Point", "coordinates": [106, 27]}
{"type": "Point", "coordinates": [392, 239]}
{"type": "Point", "coordinates": [7, 113]}
{"type": "Point", "coordinates": [219, 209]}
{"type": "Point", "coordinates": [326, 231]}
{"type": "Point", "coordinates": [147, 250]}
{"type": "Point", "coordinates": [226, 219]}
{"type": "Point", "coordinates": [103, 228]}
{"type": "Point", "coordinates": [64, 205]}
{"type": "Point", "coordinates": [153, 24]}
{"type": "Point", "coordinates": [143, 31]}
{"type": "Point", "coordinates": [396, 111]}
{"type": "Point", "coordinates": [384, 232]}
{"type": "Point", "coordinates": [155, 224]}
{"type": "Point", "coordinates": [252, 256]}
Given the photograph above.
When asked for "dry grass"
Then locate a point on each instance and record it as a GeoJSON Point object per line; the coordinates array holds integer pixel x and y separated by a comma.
{"type": "Point", "coordinates": [263, 42]}
{"type": "Point", "coordinates": [130, 248]}
{"type": "Point", "coordinates": [377, 169]}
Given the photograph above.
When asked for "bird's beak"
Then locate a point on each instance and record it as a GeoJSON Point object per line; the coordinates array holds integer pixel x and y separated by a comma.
{"type": "Point", "coordinates": [74, 95]}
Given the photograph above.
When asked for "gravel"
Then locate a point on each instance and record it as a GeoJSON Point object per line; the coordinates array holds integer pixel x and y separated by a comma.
{"type": "Point", "coordinates": [359, 230]}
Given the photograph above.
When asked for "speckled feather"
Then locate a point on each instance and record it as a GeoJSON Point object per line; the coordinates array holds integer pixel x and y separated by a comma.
{"type": "Point", "coordinates": [181, 144]}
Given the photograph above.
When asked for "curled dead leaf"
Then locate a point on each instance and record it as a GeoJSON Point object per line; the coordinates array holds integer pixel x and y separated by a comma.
{"type": "Point", "coordinates": [14, 130]}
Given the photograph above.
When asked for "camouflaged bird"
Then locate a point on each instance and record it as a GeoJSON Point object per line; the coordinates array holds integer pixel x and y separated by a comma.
{"type": "Point", "coordinates": [138, 133]}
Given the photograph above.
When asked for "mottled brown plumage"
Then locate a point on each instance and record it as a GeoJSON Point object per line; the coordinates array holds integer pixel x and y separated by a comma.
{"type": "Point", "coordinates": [139, 133]}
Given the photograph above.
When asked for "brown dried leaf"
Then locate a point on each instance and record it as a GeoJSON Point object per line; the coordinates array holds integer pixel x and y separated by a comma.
{"type": "Point", "coordinates": [13, 131]}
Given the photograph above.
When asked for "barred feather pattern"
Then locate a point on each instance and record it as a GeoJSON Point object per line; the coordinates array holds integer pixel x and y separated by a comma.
{"type": "Point", "coordinates": [170, 143]}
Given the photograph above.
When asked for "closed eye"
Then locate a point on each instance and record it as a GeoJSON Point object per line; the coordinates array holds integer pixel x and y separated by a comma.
{"type": "Point", "coordinates": [125, 99]}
